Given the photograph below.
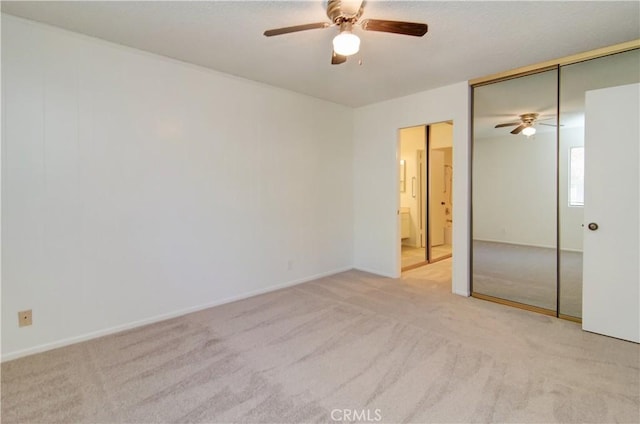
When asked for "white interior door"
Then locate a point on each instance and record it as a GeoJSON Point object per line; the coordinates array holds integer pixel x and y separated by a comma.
{"type": "Point", "coordinates": [611, 274]}
{"type": "Point", "coordinates": [436, 197]}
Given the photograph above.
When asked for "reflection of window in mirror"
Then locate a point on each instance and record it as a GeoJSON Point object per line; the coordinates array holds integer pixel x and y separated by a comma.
{"type": "Point", "coordinates": [403, 174]}
{"type": "Point", "coordinates": [576, 176]}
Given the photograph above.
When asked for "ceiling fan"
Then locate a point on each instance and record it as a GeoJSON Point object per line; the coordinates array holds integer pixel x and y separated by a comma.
{"type": "Point", "coordinates": [525, 125]}
{"type": "Point", "coordinates": [345, 14]}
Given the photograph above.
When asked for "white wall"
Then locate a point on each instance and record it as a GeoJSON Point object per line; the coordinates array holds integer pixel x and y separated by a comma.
{"type": "Point", "coordinates": [136, 187]}
{"type": "Point", "coordinates": [514, 189]}
{"type": "Point", "coordinates": [376, 198]}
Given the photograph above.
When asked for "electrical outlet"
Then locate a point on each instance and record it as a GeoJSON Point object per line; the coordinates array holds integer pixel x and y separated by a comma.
{"type": "Point", "coordinates": [24, 318]}
{"type": "Point", "coordinates": [289, 265]}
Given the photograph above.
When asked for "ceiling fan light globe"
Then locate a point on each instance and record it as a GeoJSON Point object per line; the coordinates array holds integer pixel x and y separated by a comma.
{"type": "Point", "coordinates": [528, 131]}
{"type": "Point", "coordinates": [346, 43]}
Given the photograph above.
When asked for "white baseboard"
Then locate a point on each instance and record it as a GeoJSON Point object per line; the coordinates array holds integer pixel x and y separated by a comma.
{"type": "Point", "coordinates": [571, 250]}
{"type": "Point", "coordinates": [515, 243]}
{"type": "Point", "coordinates": [462, 293]}
{"type": "Point", "coordinates": [111, 330]}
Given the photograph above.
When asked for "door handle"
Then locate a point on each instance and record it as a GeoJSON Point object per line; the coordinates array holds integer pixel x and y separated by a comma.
{"type": "Point", "coordinates": [592, 226]}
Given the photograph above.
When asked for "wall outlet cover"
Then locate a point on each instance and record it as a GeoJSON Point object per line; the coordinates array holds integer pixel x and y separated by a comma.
{"type": "Point", "coordinates": [25, 318]}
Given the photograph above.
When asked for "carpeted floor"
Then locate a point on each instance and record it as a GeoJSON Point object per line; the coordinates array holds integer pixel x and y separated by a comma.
{"type": "Point", "coordinates": [527, 275]}
{"type": "Point", "coordinates": [405, 349]}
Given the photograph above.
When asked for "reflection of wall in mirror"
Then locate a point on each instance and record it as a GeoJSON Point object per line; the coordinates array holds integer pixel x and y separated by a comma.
{"type": "Point", "coordinates": [411, 141]}
{"type": "Point", "coordinates": [441, 140]}
{"type": "Point", "coordinates": [448, 180]}
{"type": "Point", "coordinates": [514, 190]}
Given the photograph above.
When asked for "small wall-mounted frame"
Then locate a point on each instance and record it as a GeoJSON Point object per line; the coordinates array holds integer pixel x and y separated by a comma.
{"type": "Point", "coordinates": [403, 176]}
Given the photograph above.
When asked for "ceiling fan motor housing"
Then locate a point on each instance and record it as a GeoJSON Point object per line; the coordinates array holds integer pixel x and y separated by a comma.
{"type": "Point", "coordinates": [337, 15]}
{"type": "Point", "coordinates": [345, 14]}
{"type": "Point", "coordinates": [529, 118]}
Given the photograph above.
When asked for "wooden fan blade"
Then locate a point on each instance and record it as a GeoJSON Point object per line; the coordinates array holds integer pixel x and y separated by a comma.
{"type": "Point", "coordinates": [519, 129]}
{"type": "Point", "coordinates": [337, 59]}
{"type": "Point", "coordinates": [549, 125]}
{"type": "Point", "coordinates": [508, 124]}
{"type": "Point", "coordinates": [396, 27]}
{"type": "Point", "coordinates": [296, 28]}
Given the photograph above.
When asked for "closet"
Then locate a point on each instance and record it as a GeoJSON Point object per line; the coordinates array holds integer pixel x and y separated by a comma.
{"type": "Point", "coordinates": [528, 182]}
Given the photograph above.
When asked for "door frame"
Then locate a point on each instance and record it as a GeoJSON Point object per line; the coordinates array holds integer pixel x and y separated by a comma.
{"type": "Point", "coordinates": [420, 191]}
{"type": "Point", "coordinates": [424, 202]}
{"type": "Point", "coordinates": [517, 73]}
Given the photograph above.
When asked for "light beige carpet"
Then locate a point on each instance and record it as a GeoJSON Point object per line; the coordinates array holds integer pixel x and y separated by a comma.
{"type": "Point", "coordinates": [406, 348]}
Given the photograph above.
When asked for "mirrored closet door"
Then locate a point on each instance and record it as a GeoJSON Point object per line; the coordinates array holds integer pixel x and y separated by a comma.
{"type": "Point", "coordinates": [528, 187]}
{"type": "Point", "coordinates": [514, 190]}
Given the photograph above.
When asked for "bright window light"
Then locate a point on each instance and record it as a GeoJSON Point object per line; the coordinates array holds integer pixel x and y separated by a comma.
{"type": "Point", "coordinates": [576, 176]}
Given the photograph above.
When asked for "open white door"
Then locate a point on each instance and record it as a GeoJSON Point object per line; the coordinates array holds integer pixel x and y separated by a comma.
{"type": "Point", "coordinates": [611, 274]}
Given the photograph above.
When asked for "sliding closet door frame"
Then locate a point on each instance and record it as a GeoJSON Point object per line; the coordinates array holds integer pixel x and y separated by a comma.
{"type": "Point", "coordinates": [516, 73]}
{"type": "Point", "coordinates": [533, 308]}
{"type": "Point", "coordinates": [558, 230]}
{"type": "Point", "coordinates": [550, 64]}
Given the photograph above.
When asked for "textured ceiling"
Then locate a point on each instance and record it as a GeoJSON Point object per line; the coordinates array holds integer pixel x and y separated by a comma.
{"type": "Point", "coordinates": [465, 39]}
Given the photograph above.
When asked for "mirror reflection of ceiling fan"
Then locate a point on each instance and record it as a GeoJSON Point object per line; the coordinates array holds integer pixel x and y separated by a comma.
{"type": "Point", "coordinates": [345, 14]}
{"type": "Point", "coordinates": [526, 124]}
